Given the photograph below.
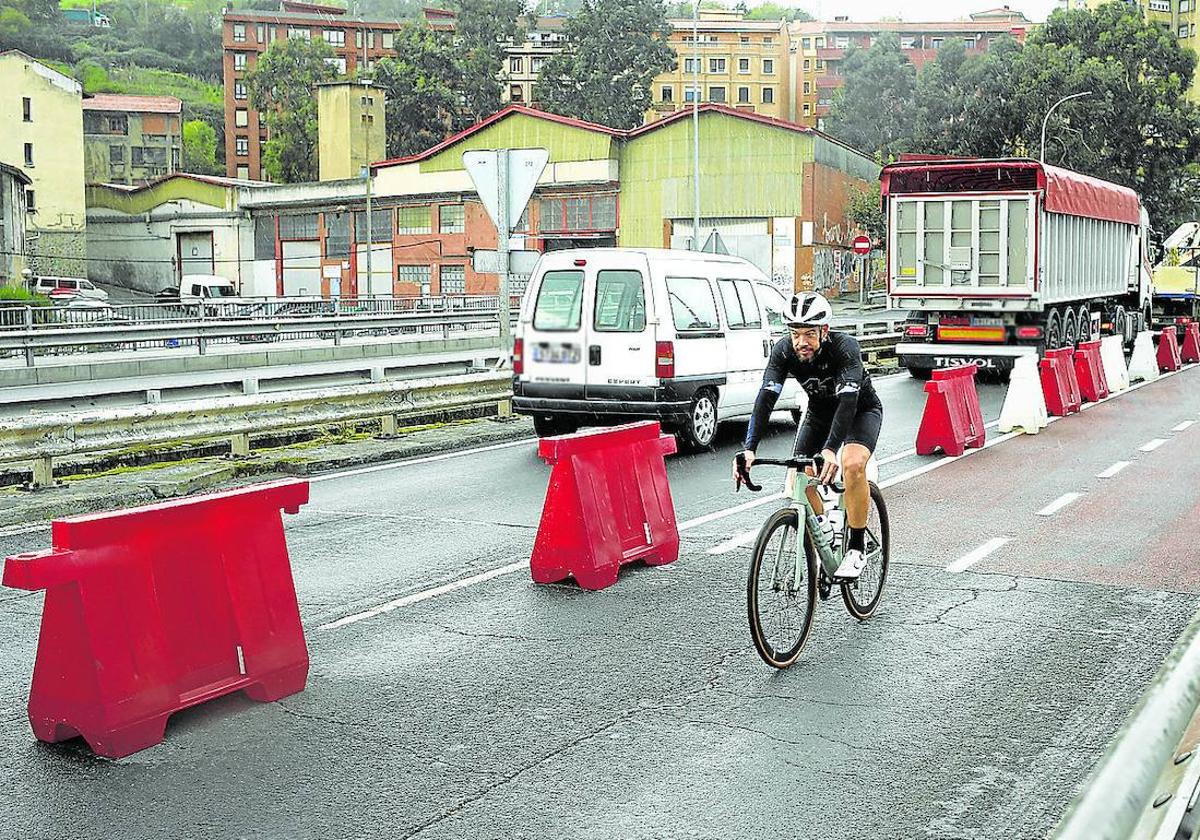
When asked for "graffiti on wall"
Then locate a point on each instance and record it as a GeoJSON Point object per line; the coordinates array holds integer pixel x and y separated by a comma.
{"type": "Point", "coordinates": [835, 270]}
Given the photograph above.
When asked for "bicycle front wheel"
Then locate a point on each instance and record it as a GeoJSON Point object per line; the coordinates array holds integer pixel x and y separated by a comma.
{"type": "Point", "coordinates": [862, 594]}
{"type": "Point", "coordinates": [781, 595]}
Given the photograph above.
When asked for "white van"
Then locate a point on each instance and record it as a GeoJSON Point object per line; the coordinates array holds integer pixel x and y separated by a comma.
{"type": "Point", "coordinates": [67, 288]}
{"type": "Point", "coordinates": [611, 335]}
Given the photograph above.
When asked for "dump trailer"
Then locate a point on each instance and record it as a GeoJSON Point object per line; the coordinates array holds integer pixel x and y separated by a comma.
{"type": "Point", "coordinates": [1176, 299]}
{"type": "Point", "coordinates": [996, 259]}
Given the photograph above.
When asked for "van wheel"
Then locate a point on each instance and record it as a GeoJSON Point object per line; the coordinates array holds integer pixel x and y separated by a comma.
{"type": "Point", "coordinates": [698, 433]}
{"type": "Point", "coordinates": [553, 426]}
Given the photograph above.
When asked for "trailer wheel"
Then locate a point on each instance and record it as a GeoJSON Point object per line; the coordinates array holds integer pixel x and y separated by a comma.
{"type": "Point", "coordinates": [1085, 324]}
{"type": "Point", "coordinates": [1070, 329]}
{"type": "Point", "coordinates": [1053, 330]}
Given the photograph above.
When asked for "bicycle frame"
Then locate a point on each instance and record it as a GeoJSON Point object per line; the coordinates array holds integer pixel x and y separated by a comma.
{"type": "Point", "coordinates": [830, 559]}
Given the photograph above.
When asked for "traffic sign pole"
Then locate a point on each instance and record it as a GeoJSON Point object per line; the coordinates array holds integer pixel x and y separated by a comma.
{"type": "Point", "coordinates": [502, 230]}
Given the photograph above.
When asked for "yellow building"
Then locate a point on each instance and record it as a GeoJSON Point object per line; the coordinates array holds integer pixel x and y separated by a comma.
{"type": "Point", "coordinates": [743, 64]}
{"type": "Point", "coordinates": [523, 61]}
{"type": "Point", "coordinates": [1179, 17]}
{"type": "Point", "coordinates": [42, 116]}
{"type": "Point", "coordinates": [351, 131]}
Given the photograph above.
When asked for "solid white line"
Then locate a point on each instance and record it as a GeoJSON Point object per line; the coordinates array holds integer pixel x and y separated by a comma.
{"type": "Point", "coordinates": [425, 595]}
{"type": "Point", "coordinates": [721, 514]}
{"type": "Point", "coordinates": [899, 479]}
{"type": "Point", "coordinates": [1113, 470]}
{"type": "Point", "coordinates": [1058, 504]}
{"type": "Point", "coordinates": [962, 563]}
{"type": "Point", "coordinates": [426, 460]}
{"type": "Point", "coordinates": [1150, 446]}
{"type": "Point", "coordinates": [737, 542]}
{"type": "Point", "coordinates": [898, 456]}
{"type": "Point", "coordinates": [1184, 426]}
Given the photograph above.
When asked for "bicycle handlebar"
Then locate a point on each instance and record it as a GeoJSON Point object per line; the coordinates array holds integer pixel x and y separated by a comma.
{"type": "Point", "coordinates": [816, 462]}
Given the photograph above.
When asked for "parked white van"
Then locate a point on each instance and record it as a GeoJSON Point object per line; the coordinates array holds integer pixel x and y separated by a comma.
{"type": "Point", "coordinates": [611, 335]}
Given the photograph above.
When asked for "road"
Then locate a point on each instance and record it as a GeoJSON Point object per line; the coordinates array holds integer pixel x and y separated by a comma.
{"type": "Point", "coordinates": [972, 706]}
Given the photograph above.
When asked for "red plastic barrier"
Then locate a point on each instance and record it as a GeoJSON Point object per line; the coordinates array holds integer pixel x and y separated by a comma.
{"type": "Point", "coordinates": [1190, 352]}
{"type": "Point", "coordinates": [608, 504]}
{"type": "Point", "coordinates": [1168, 350]}
{"type": "Point", "coordinates": [952, 420]}
{"type": "Point", "coordinates": [1089, 371]}
{"type": "Point", "coordinates": [1060, 386]}
{"type": "Point", "coordinates": [154, 609]}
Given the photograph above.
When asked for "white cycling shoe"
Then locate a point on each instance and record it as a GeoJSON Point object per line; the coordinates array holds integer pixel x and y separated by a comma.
{"type": "Point", "coordinates": [852, 566]}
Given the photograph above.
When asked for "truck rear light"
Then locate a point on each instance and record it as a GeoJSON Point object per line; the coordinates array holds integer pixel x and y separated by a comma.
{"type": "Point", "coordinates": [916, 331]}
{"type": "Point", "coordinates": [664, 359]}
{"type": "Point", "coordinates": [518, 356]}
{"type": "Point", "coordinates": [1029, 332]}
{"type": "Point", "coordinates": [1183, 319]}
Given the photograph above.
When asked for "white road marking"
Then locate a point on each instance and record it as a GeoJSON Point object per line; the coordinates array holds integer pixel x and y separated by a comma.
{"type": "Point", "coordinates": [963, 563]}
{"type": "Point", "coordinates": [737, 542]}
{"type": "Point", "coordinates": [941, 462]}
{"type": "Point", "coordinates": [1113, 470]}
{"type": "Point", "coordinates": [1184, 426]}
{"type": "Point", "coordinates": [426, 460]}
{"type": "Point", "coordinates": [898, 456]}
{"type": "Point", "coordinates": [1058, 504]}
{"type": "Point", "coordinates": [1150, 446]}
{"type": "Point", "coordinates": [721, 514]}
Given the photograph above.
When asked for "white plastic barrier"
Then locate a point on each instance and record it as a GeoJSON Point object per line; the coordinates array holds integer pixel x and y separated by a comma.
{"type": "Point", "coordinates": [1024, 404]}
{"type": "Point", "coordinates": [1143, 366]}
{"type": "Point", "coordinates": [1112, 355]}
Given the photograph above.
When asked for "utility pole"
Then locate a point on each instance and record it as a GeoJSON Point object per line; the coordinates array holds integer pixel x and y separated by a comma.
{"type": "Point", "coordinates": [696, 126]}
{"type": "Point", "coordinates": [367, 169]}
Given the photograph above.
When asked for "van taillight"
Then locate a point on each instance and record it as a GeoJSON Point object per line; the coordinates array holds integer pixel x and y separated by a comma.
{"type": "Point", "coordinates": [518, 356]}
{"type": "Point", "coordinates": [664, 359]}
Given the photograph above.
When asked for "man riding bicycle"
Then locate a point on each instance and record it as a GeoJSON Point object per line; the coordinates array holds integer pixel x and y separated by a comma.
{"type": "Point", "coordinates": [844, 412]}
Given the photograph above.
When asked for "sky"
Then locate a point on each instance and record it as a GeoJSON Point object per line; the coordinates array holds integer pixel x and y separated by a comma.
{"type": "Point", "coordinates": [916, 10]}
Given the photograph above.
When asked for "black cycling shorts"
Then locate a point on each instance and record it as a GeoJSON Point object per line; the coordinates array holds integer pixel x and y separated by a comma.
{"type": "Point", "coordinates": [814, 431]}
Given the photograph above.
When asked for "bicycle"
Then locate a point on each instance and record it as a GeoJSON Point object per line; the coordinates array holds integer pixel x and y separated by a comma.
{"type": "Point", "coordinates": [789, 577]}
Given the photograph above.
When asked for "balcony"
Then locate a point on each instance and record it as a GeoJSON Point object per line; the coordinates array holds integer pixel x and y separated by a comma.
{"type": "Point", "coordinates": [830, 82]}
{"type": "Point", "coordinates": [831, 53]}
{"type": "Point", "coordinates": [822, 110]}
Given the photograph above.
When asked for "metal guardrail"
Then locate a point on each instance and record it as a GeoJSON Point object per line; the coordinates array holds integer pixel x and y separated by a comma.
{"type": "Point", "coordinates": [42, 437]}
{"type": "Point", "coordinates": [1145, 786]}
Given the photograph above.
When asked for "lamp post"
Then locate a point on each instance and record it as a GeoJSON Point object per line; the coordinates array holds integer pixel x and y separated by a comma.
{"type": "Point", "coordinates": [1046, 119]}
{"type": "Point", "coordinates": [696, 126]}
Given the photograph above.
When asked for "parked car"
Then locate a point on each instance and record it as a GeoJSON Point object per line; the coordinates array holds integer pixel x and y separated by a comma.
{"type": "Point", "coordinates": [614, 334]}
{"type": "Point", "coordinates": [218, 294]}
{"type": "Point", "coordinates": [64, 288]}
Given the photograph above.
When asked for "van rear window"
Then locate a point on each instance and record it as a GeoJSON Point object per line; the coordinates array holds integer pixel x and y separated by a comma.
{"type": "Point", "coordinates": [620, 302]}
{"type": "Point", "coordinates": [559, 301]}
{"type": "Point", "coordinates": [693, 306]}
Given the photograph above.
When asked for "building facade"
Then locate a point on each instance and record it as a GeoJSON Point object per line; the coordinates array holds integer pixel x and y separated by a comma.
{"type": "Point", "coordinates": [351, 129]}
{"type": "Point", "coordinates": [1179, 17]}
{"type": "Point", "coordinates": [131, 139]}
{"type": "Point", "coordinates": [741, 63]}
{"type": "Point", "coordinates": [13, 183]}
{"type": "Point", "coordinates": [42, 116]}
{"type": "Point", "coordinates": [523, 62]}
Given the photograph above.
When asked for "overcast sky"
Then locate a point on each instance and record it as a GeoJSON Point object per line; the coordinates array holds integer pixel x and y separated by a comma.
{"type": "Point", "coordinates": [916, 10]}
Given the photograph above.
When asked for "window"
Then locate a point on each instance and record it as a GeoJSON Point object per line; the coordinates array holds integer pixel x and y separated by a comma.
{"type": "Point", "coordinates": [969, 43]}
{"type": "Point", "coordinates": [116, 155]}
{"type": "Point", "coordinates": [26, 109]}
{"type": "Point", "coordinates": [1185, 6]}
{"type": "Point", "coordinates": [808, 87]}
{"type": "Point", "coordinates": [716, 94]}
{"type": "Point", "coordinates": [338, 64]}
{"type": "Point", "coordinates": [535, 64]}
{"type": "Point", "coordinates": [693, 307]}
{"type": "Point", "coordinates": [768, 66]}
{"type": "Point", "coordinates": [806, 43]}
{"type": "Point", "coordinates": [820, 64]}
{"type": "Point", "coordinates": [30, 202]}
{"type": "Point", "coordinates": [767, 39]}
{"type": "Point", "coordinates": [335, 37]}
{"type": "Point", "coordinates": [716, 65]}
{"type": "Point", "coordinates": [743, 65]}
{"type": "Point", "coordinates": [260, 33]}
{"type": "Point", "coordinates": [175, 159]}
{"type": "Point", "coordinates": [808, 64]}
{"type": "Point", "coordinates": [454, 280]}
{"type": "Point", "coordinates": [1183, 30]}
{"type": "Point", "coordinates": [841, 42]}
{"type": "Point", "coordinates": [689, 94]}
{"type": "Point", "coordinates": [743, 94]}
{"type": "Point", "coordinates": [820, 41]}
{"type": "Point", "coordinates": [411, 220]}
{"type": "Point", "coordinates": [381, 220]}
{"type": "Point", "coordinates": [298, 226]}
{"type": "Point", "coordinates": [741, 307]}
{"type": "Point", "coordinates": [29, 154]}
{"type": "Point", "coordinates": [691, 65]}
{"type": "Point", "coordinates": [908, 43]}
{"type": "Point", "coordinates": [239, 89]}
{"type": "Point", "coordinates": [417, 275]}
{"type": "Point", "coordinates": [668, 94]}
{"type": "Point", "coordinates": [516, 93]}
{"type": "Point", "coordinates": [559, 302]}
{"type": "Point", "coordinates": [241, 146]}
{"type": "Point", "coordinates": [620, 302]}
{"type": "Point", "coordinates": [1161, 6]}
{"type": "Point", "coordinates": [744, 39]}
{"type": "Point", "coordinates": [239, 61]}
{"type": "Point", "coordinates": [452, 218]}
{"type": "Point", "coordinates": [243, 172]}
{"type": "Point", "coordinates": [239, 32]}
{"type": "Point", "coordinates": [807, 110]}
{"type": "Point", "coordinates": [358, 38]}
{"type": "Point", "coordinates": [241, 118]}
{"type": "Point", "coordinates": [768, 96]}
{"type": "Point", "coordinates": [936, 43]}
{"type": "Point", "coordinates": [299, 34]}
{"type": "Point", "coordinates": [516, 64]}
{"type": "Point", "coordinates": [337, 236]}
{"type": "Point", "coordinates": [389, 40]}
{"type": "Point", "coordinates": [149, 156]}
{"type": "Point", "coordinates": [578, 213]}
{"type": "Point", "coordinates": [773, 301]}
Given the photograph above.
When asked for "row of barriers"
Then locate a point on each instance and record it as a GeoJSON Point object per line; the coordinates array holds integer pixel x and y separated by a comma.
{"type": "Point", "coordinates": [152, 610]}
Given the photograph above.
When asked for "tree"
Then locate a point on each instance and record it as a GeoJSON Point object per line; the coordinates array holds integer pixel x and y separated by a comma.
{"type": "Point", "coordinates": [200, 148]}
{"type": "Point", "coordinates": [420, 84]}
{"type": "Point", "coordinates": [775, 11]}
{"type": "Point", "coordinates": [281, 86]}
{"type": "Point", "coordinates": [482, 30]}
{"type": "Point", "coordinates": [617, 48]}
{"type": "Point", "coordinates": [683, 10]}
{"type": "Point", "coordinates": [875, 110]}
{"type": "Point", "coordinates": [866, 212]}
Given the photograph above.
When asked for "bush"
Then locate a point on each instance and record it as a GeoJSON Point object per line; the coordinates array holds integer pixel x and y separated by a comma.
{"type": "Point", "coordinates": [16, 294]}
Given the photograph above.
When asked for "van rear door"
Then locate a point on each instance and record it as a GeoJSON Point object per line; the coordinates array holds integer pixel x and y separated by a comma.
{"type": "Point", "coordinates": [553, 335]}
{"type": "Point", "coordinates": [620, 346]}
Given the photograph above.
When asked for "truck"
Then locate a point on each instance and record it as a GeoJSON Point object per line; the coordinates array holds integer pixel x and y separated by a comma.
{"type": "Point", "coordinates": [1002, 258]}
{"type": "Point", "coordinates": [1176, 300]}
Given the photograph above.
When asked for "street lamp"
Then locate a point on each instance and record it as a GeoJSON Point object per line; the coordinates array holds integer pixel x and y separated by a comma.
{"type": "Point", "coordinates": [1046, 119]}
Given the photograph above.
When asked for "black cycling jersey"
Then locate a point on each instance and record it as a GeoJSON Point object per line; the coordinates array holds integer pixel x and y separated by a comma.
{"type": "Point", "coordinates": [838, 387]}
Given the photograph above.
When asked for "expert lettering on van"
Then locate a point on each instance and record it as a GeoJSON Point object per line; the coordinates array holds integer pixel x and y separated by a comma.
{"type": "Point", "coordinates": [610, 335]}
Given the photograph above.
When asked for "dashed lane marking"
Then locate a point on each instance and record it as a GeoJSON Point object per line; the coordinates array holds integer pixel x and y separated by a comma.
{"type": "Point", "coordinates": [1058, 504]}
{"type": "Point", "coordinates": [965, 562]}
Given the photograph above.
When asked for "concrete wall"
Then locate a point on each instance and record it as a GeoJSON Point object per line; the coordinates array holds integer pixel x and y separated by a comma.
{"type": "Point", "coordinates": [351, 134]}
{"type": "Point", "coordinates": [12, 228]}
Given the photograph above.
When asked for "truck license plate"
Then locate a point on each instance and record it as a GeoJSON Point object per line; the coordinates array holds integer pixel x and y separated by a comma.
{"type": "Point", "coordinates": [563, 354]}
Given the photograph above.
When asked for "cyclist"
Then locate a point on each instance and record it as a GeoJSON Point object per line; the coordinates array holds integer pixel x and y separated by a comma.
{"type": "Point", "coordinates": [844, 412]}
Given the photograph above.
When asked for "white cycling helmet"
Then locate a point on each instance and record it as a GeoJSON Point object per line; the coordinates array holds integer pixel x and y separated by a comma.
{"type": "Point", "coordinates": [809, 309]}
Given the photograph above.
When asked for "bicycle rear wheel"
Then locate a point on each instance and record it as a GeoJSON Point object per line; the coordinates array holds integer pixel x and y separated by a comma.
{"type": "Point", "coordinates": [780, 607]}
{"type": "Point", "coordinates": [862, 595]}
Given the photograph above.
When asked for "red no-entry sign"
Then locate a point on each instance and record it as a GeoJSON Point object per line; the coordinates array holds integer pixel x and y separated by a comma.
{"type": "Point", "coordinates": [862, 245]}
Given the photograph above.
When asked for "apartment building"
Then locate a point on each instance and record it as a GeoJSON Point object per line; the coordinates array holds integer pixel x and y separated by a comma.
{"type": "Point", "coordinates": [523, 62]}
{"type": "Point", "coordinates": [131, 139]}
{"type": "Point", "coordinates": [1179, 17]}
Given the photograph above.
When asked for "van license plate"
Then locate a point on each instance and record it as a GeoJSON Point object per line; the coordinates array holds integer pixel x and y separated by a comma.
{"type": "Point", "coordinates": [566, 354]}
